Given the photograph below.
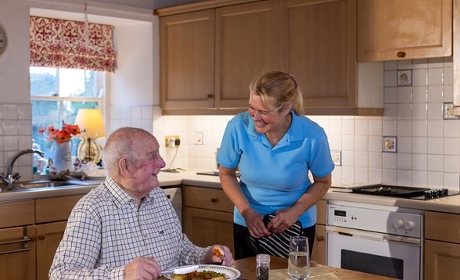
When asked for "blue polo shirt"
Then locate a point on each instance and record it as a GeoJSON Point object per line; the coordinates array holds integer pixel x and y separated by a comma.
{"type": "Point", "coordinates": [273, 178]}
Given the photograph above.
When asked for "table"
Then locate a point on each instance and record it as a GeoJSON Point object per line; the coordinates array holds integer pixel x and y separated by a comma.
{"type": "Point", "coordinates": [247, 267]}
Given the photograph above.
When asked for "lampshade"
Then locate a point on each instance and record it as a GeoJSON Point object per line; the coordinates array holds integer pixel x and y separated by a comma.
{"type": "Point", "coordinates": [90, 123]}
{"type": "Point", "coordinates": [91, 126]}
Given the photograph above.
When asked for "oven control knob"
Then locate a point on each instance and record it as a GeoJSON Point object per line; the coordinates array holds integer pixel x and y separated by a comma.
{"type": "Point", "coordinates": [409, 225]}
{"type": "Point", "coordinates": [398, 224]}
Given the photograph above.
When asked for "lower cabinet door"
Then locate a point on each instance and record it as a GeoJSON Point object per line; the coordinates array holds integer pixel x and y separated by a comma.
{"type": "Point", "coordinates": [49, 236]}
{"type": "Point", "coordinates": [209, 227]}
{"type": "Point", "coordinates": [318, 254]}
{"type": "Point", "coordinates": [17, 253]}
{"type": "Point", "coordinates": [442, 260]}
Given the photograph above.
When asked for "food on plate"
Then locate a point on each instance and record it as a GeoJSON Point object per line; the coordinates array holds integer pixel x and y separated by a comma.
{"type": "Point", "coordinates": [218, 252]}
{"type": "Point", "coordinates": [200, 275]}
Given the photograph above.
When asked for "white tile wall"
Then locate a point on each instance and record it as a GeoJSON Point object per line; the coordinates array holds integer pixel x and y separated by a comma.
{"type": "Point", "coordinates": [15, 135]}
{"type": "Point", "coordinates": [428, 152]}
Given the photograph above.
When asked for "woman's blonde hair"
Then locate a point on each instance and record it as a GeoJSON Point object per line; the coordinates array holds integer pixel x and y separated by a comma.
{"type": "Point", "coordinates": [280, 87]}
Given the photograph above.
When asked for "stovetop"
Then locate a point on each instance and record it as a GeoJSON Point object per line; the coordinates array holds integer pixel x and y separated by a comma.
{"type": "Point", "coordinates": [404, 191]}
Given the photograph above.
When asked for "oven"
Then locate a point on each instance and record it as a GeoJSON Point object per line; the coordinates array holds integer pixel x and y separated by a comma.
{"type": "Point", "coordinates": [375, 239]}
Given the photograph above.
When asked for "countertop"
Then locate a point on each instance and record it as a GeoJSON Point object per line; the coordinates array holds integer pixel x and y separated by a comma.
{"type": "Point", "coordinates": [449, 204]}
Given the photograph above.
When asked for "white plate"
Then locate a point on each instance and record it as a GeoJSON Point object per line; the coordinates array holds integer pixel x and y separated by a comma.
{"type": "Point", "coordinates": [229, 272]}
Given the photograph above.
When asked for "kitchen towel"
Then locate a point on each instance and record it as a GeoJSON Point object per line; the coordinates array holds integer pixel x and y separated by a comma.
{"type": "Point", "coordinates": [275, 244]}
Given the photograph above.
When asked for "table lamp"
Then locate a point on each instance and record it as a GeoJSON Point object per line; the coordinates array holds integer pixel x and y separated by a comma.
{"type": "Point", "coordinates": [91, 126]}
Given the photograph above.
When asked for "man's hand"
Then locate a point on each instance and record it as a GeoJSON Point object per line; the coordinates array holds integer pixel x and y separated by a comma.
{"type": "Point", "coordinates": [142, 268]}
{"type": "Point", "coordinates": [219, 254]}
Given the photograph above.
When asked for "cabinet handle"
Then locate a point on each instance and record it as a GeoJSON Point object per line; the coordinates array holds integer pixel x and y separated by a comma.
{"type": "Point", "coordinates": [210, 95]}
{"type": "Point", "coordinates": [319, 238]}
{"type": "Point", "coordinates": [214, 200]}
{"type": "Point", "coordinates": [41, 237]}
{"type": "Point", "coordinates": [401, 54]}
{"type": "Point", "coordinates": [23, 240]}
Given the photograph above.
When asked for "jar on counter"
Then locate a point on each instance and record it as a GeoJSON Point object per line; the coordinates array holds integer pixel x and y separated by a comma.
{"type": "Point", "coordinates": [262, 266]}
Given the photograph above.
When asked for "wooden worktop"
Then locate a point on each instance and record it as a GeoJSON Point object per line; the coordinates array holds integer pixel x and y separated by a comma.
{"type": "Point", "coordinates": [278, 271]}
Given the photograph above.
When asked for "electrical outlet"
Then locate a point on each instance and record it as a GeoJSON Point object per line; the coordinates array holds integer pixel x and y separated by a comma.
{"type": "Point", "coordinates": [337, 157]}
{"type": "Point", "coordinates": [170, 141]}
{"type": "Point", "coordinates": [198, 138]}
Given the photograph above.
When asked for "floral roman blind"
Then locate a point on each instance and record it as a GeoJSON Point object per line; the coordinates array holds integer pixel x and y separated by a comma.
{"type": "Point", "coordinates": [70, 44]}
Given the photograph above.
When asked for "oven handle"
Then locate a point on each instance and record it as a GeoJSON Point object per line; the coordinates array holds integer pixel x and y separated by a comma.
{"type": "Point", "coordinates": [375, 236]}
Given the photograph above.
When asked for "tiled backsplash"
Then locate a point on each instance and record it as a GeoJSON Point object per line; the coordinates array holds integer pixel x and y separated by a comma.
{"type": "Point", "coordinates": [16, 135]}
{"type": "Point", "coordinates": [428, 152]}
{"type": "Point", "coordinates": [428, 146]}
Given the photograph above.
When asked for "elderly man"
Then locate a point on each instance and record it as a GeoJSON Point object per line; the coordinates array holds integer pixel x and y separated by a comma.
{"type": "Point", "coordinates": [126, 228]}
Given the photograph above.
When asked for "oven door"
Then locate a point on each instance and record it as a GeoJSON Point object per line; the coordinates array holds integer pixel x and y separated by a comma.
{"type": "Point", "coordinates": [375, 253]}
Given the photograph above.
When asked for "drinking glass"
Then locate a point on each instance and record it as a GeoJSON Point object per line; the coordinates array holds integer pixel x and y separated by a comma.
{"type": "Point", "coordinates": [299, 258]}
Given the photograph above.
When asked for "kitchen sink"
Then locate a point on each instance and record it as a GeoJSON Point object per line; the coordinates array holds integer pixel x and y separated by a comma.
{"type": "Point", "coordinates": [46, 184]}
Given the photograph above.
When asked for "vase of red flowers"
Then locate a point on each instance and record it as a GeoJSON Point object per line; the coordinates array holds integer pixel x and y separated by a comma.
{"type": "Point", "coordinates": [61, 138]}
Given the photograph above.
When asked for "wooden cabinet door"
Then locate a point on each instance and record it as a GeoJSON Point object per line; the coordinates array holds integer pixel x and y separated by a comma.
{"type": "Point", "coordinates": [394, 29]}
{"type": "Point", "coordinates": [187, 60]}
{"type": "Point", "coordinates": [17, 255]}
{"type": "Point", "coordinates": [208, 227]}
{"type": "Point", "coordinates": [442, 260]}
{"type": "Point", "coordinates": [246, 45]}
{"type": "Point", "coordinates": [48, 238]}
{"type": "Point", "coordinates": [318, 254]}
{"type": "Point", "coordinates": [319, 42]}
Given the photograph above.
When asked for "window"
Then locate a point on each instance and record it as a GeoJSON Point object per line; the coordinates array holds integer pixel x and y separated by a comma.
{"type": "Point", "coordinates": [56, 96]}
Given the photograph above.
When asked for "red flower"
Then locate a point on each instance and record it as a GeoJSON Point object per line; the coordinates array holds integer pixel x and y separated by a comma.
{"type": "Point", "coordinates": [63, 135]}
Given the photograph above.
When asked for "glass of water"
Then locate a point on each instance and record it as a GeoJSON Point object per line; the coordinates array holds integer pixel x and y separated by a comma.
{"type": "Point", "coordinates": [299, 258]}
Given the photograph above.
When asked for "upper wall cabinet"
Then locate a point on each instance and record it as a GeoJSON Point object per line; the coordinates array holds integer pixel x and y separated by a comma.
{"type": "Point", "coordinates": [209, 57]}
{"type": "Point", "coordinates": [246, 45]}
{"type": "Point", "coordinates": [319, 42]}
{"type": "Point", "coordinates": [409, 29]}
{"type": "Point", "coordinates": [210, 54]}
{"type": "Point", "coordinates": [187, 60]}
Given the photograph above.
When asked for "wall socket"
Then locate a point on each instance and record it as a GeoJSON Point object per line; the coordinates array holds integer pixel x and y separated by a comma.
{"type": "Point", "coordinates": [198, 138]}
{"type": "Point", "coordinates": [172, 141]}
{"type": "Point", "coordinates": [336, 157]}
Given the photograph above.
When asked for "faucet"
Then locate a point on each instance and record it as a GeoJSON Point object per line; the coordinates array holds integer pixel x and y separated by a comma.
{"type": "Point", "coordinates": [10, 178]}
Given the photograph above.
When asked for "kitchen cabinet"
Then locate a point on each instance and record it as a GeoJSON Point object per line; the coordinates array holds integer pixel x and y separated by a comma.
{"type": "Point", "coordinates": [318, 254]}
{"type": "Point", "coordinates": [209, 57]}
{"type": "Point", "coordinates": [17, 253]}
{"type": "Point", "coordinates": [49, 236]}
{"type": "Point", "coordinates": [456, 59]}
{"type": "Point", "coordinates": [394, 30]}
{"type": "Point", "coordinates": [187, 60]}
{"type": "Point", "coordinates": [51, 216]}
{"type": "Point", "coordinates": [17, 235]}
{"type": "Point", "coordinates": [208, 216]}
{"type": "Point", "coordinates": [209, 73]}
{"type": "Point", "coordinates": [30, 232]}
{"type": "Point", "coordinates": [319, 42]}
{"type": "Point", "coordinates": [442, 246]}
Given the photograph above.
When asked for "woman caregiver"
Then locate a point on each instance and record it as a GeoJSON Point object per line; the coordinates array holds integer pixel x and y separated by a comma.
{"type": "Point", "coordinates": [275, 148]}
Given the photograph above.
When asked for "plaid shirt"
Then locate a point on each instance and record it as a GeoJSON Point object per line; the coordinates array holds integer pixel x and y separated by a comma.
{"type": "Point", "coordinates": [107, 230]}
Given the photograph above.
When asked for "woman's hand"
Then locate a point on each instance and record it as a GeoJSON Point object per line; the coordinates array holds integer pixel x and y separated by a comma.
{"type": "Point", "coordinates": [255, 223]}
{"type": "Point", "coordinates": [283, 220]}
